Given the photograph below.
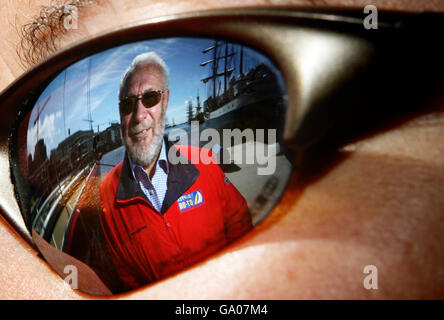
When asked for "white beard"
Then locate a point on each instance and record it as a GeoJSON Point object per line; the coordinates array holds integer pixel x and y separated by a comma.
{"type": "Point", "coordinates": [142, 155]}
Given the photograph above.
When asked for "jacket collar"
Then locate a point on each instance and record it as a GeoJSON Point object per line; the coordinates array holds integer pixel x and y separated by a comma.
{"type": "Point", "coordinates": [181, 177]}
{"type": "Point", "coordinates": [162, 161]}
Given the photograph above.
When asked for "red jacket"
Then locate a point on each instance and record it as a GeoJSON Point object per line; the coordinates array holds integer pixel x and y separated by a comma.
{"type": "Point", "coordinates": [202, 212]}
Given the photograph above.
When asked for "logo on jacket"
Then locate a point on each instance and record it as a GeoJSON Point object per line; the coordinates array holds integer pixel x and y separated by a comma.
{"type": "Point", "coordinates": [190, 200]}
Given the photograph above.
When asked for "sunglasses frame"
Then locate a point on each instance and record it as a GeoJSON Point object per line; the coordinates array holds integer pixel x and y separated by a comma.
{"type": "Point", "coordinates": [277, 33]}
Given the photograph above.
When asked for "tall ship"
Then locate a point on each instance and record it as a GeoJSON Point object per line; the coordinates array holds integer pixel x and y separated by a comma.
{"type": "Point", "coordinates": [243, 98]}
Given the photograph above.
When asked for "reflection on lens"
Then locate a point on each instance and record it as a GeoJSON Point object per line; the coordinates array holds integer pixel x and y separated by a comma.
{"type": "Point", "coordinates": [136, 195]}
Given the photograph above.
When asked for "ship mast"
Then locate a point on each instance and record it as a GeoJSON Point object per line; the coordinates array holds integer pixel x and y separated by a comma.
{"type": "Point", "coordinates": [241, 63]}
{"type": "Point", "coordinates": [88, 98]}
{"type": "Point", "coordinates": [215, 63]}
{"type": "Point", "coordinates": [198, 108]}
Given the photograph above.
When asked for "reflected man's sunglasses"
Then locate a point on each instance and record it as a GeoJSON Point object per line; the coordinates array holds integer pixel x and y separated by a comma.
{"type": "Point", "coordinates": [339, 81]}
{"type": "Point", "coordinates": [149, 99]}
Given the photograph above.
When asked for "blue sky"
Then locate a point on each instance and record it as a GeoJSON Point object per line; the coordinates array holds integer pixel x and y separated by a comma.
{"type": "Point", "coordinates": [66, 110]}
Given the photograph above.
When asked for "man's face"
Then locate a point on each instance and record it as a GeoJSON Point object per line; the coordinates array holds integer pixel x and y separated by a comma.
{"type": "Point", "coordinates": [142, 129]}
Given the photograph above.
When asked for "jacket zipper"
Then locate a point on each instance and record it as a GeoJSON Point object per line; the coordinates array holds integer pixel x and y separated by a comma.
{"type": "Point", "coordinates": [171, 233]}
{"type": "Point", "coordinates": [167, 224]}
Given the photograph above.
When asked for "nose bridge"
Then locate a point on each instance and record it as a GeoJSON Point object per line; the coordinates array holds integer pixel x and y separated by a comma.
{"type": "Point", "coordinates": [140, 112]}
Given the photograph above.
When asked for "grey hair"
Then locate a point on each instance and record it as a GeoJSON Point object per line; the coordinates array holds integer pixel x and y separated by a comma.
{"type": "Point", "coordinates": [143, 60]}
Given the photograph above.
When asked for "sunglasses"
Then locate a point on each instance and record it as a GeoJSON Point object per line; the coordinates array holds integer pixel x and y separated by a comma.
{"type": "Point", "coordinates": [149, 99]}
{"type": "Point", "coordinates": [320, 79]}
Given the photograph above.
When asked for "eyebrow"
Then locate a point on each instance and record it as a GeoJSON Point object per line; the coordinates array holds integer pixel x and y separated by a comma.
{"type": "Point", "coordinates": [40, 37]}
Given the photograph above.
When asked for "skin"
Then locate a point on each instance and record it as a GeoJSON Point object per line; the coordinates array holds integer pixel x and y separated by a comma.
{"type": "Point", "coordinates": [144, 79]}
{"type": "Point", "coordinates": [381, 205]}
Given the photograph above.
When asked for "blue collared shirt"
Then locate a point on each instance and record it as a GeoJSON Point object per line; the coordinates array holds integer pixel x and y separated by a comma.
{"type": "Point", "coordinates": [155, 188]}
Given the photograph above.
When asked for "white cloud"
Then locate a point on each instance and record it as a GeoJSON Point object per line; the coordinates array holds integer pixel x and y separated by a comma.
{"type": "Point", "coordinates": [49, 129]}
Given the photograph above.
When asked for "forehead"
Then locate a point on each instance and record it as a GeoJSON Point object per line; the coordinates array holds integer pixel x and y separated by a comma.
{"type": "Point", "coordinates": [145, 77]}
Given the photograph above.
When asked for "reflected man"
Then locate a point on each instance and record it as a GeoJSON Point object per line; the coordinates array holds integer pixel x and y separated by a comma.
{"type": "Point", "coordinates": [160, 217]}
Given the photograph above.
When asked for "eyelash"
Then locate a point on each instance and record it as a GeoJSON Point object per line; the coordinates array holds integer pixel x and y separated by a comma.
{"type": "Point", "coordinates": [40, 38]}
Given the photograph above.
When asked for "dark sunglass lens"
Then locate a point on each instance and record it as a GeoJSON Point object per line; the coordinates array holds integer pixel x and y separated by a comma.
{"type": "Point", "coordinates": [71, 153]}
{"type": "Point", "coordinates": [126, 105]}
{"type": "Point", "coordinates": [151, 98]}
